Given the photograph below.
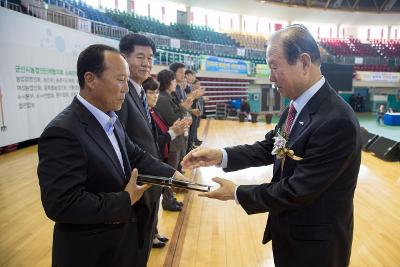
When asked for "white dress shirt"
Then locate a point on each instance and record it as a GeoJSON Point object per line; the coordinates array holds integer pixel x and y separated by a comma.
{"type": "Point", "coordinates": [106, 121]}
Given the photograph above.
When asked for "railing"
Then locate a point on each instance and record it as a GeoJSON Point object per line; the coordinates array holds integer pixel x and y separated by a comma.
{"type": "Point", "coordinates": [205, 48]}
{"type": "Point", "coordinates": [12, 6]}
{"type": "Point", "coordinates": [352, 60]}
{"type": "Point", "coordinates": [167, 57]}
{"type": "Point", "coordinates": [78, 23]}
{"type": "Point", "coordinates": [53, 16]}
{"type": "Point", "coordinates": [106, 30]}
{"type": "Point", "coordinates": [66, 6]}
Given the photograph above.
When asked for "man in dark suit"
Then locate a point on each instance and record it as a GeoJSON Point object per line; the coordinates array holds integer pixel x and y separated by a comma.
{"type": "Point", "coordinates": [85, 171]}
{"type": "Point", "coordinates": [135, 116]}
{"type": "Point", "coordinates": [310, 196]}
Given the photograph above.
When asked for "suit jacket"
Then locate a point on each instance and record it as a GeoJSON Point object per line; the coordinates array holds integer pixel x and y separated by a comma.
{"type": "Point", "coordinates": [310, 202]}
{"type": "Point", "coordinates": [180, 93]}
{"type": "Point", "coordinates": [169, 109]}
{"type": "Point", "coordinates": [82, 189]}
{"type": "Point", "coordinates": [134, 119]}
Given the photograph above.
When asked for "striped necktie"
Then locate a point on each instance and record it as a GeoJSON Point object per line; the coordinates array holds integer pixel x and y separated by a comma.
{"type": "Point", "coordinates": [290, 119]}
{"type": "Point", "coordinates": [144, 103]}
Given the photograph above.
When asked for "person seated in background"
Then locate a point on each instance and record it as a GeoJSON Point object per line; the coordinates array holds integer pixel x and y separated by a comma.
{"type": "Point", "coordinates": [380, 113]}
{"type": "Point", "coordinates": [163, 136]}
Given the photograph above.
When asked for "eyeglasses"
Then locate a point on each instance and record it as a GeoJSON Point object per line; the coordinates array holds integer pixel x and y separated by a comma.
{"type": "Point", "coordinates": [152, 92]}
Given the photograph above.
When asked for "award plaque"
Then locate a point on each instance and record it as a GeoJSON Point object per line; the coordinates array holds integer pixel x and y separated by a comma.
{"type": "Point", "coordinates": [171, 182]}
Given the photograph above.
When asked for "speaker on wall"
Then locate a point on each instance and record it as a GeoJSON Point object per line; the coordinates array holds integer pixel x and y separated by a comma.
{"type": "Point", "coordinates": [386, 149]}
{"type": "Point", "coordinates": [367, 138]}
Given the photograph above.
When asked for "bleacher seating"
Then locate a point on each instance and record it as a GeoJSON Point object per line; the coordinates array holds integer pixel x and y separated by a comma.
{"type": "Point", "coordinates": [249, 40]}
{"type": "Point", "coordinates": [377, 49]}
{"type": "Point", "coordinates": [380, 54]}
{"type": "Point", "coordinates": [348, 47]}
{"type": "Point", "coordinates": [387, 49]}
{"type": "Point", "coordinates": [204, 34]}
{"type": "Point", "coordinates": [138, 23]}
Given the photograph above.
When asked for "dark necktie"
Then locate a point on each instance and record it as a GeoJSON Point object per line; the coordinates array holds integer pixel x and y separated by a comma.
{"type": "Point", "coordinates": [289, 120]}
{"type": "Point", "coordinates": [144, 103]}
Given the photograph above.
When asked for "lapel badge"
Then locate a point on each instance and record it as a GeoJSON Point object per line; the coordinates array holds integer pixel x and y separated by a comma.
{"type": "Point", "coordinates": [301, 122]}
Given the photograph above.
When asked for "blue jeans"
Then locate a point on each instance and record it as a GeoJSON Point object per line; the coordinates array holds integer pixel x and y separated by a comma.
{"type": "Point", "coordinates": [379, 118]}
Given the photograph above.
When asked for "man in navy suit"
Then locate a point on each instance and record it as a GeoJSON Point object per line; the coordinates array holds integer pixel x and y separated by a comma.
{"type": "Point", "coordinates": [88, 169]}
{"type": "Point", "coordinates": [310, 196]}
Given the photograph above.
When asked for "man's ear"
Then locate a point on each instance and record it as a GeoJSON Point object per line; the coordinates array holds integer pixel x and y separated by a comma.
{"type": "Point", "coordinates": [305, 60]}
{"type": "Point", "coordinates": [89, 79]}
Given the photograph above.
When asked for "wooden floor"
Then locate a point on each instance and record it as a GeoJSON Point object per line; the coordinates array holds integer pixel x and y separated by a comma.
{"type": "Point", "coordinates": [208, 232]}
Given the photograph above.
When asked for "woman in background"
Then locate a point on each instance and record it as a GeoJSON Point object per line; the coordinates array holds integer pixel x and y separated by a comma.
{"type": "Point", "coordinates": [163, 135]}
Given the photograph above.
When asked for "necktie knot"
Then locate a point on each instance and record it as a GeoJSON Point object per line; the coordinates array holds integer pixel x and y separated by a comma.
{"type": "Point", "coordinates": [290, 119]}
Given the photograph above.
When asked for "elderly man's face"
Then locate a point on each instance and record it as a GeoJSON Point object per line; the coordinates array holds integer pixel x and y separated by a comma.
{"type": "Point", "coordinates": [110, 87]}
{"type": "Point", "coordinates": [289, 79]}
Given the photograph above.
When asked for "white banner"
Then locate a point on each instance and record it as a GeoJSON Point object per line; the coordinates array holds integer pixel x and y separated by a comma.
{"type": "Point", "coordinates": [378, 76]}
{"type": "Point", "coordinates": [358, 60]}
{"type": "Point", "coordinates": [380, 98]}
{"type": "Point", "coordinates": [37, 73]}
{"type": "Point", "coordinates": [241, 52]}
{"type": "Point", "coordinates": [175, 43]}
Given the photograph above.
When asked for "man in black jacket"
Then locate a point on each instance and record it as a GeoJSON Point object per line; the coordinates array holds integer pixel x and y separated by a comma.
{"type": "Point", "coordinates": [85, 171]}
{"type": "Point", "coordinates": [310, 197]}
{"type": "Point", "coordinates": [135, 116]}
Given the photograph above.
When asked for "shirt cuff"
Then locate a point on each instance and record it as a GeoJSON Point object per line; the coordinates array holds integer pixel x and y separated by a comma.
{"type": "Point", "coordinates": [172, 134]}
{"type": "Point", "coordinates": [224, 161]}
{"type": "Point", "coordinates": [236, 200]}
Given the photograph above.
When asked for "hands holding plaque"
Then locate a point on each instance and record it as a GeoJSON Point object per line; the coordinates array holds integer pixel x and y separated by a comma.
{"type": "Point", "coordinates": [177, 181]}
{"type": "Point", "coordinates": [204, 157]}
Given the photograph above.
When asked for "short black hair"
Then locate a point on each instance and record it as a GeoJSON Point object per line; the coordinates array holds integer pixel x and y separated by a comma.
{"type": "Point", "coordinates": [176, 65]}
{"type": "Point", "coordinates": [165, 77]}
{"type": "Point", "coordinates": [189, 72]}
{"type": "Point", "coordinates": [128, 42]}
{"type": "Point", "coordinates": [92, 60]}
{"type": "Point", "coordinates": [150, 84]}
{"type": "Point", "coordinates": [296, 39]}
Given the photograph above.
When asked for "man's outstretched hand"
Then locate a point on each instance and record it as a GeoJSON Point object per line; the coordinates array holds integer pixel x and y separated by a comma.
{"type": "Point", "coordinates": [226, 191]}
{"type": "Point", "coordinates": [202, 157]}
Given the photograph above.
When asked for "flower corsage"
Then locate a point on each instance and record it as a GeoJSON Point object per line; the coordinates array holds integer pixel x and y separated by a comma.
{"type": "Point", "coordinates": [280, 147]}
